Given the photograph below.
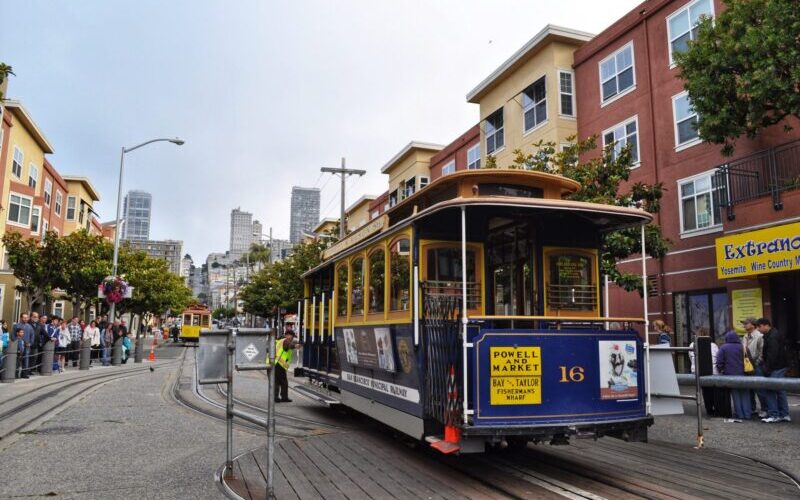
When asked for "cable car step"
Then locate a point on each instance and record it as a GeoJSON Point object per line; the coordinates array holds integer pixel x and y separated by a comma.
{"type": "Point", "coordinates": [319, 397]}
{"type": "Point", "coordinates": [442, 446]}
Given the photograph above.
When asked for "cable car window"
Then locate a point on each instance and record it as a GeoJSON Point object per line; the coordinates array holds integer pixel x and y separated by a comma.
{"type": "Point", "coordinates": [187, 319]}
{"type": "Point", "coordinates": [571, 281]}
{"type": "Point", "coordinates": [341, 290]}
{"type": "Point", "coordinates": [509, 190]}
{"type": "Point", "coordinates": [195, 320]}
{"type": "Point", "coordinates": [510, 259]}
{"type": "Point", "coordinates": [377, 281]}
{"type": "Point", "coordinates": [204, 320]}
{"type": "Point", "coordinates": [357, 288]}
{"type": "Point", "coordinates": [400, 266]}
{"type": "Point", "coordinates": [444, 274]}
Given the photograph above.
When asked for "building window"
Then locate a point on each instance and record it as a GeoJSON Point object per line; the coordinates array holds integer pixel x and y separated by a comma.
{"type": "Point", "coordinates": [699, 205]}
{"type": "Point", "coordinates": [449, 168]}
{"type": "Point", "coordinates": [621, 135]}
{"type": "Point", "coordinates": [682, 25]}
{"type": "Point", "coordinates": [423, 181]}
{"type": "Point", "coordinates": [566, 93]}
{"type": "Point", "coordinates": [19, 209]}
{"type": "Point", "coordinates": [474, 157]}
{"type": "Point", "coordinates": [410, 187]}
{"type": "Point", "coordinates": [617, 73]}
{"type": "Point", "coordinates": [36, 213]}
{"type": "Point", "coordinates": [59, 200]}
{"type": "Point", "coordinates": [534, 104]}
{"type": "Point", "coordinates": [71, 201]}
{"type": "Point", "coordinates": [45, 227]}
{"type": "Point", "coordinates": [700, 313]}
{"type": "Point", "coordinates": [494, 132]}
{"type": "Point", "coordinates": [16, 164]}
{"type": "Point", "coordinates": [58, 308]}
{"type": "Point", "coordinates": [400, 275]}
{"type": "Point", "coordinates": [357, 288]}
{"type": "Point", "coordinates": [392, 199]}
{"type": "Point", "coordinates": [686, 120]}
{"type": "Point", "coordinates": [48, 191]}
{"type": "Point", "coordinates": [33, 175]}
{"type": "Point", "coordinates": [377, 281]}
{"type": "Point", "coordinates": [17, 304]}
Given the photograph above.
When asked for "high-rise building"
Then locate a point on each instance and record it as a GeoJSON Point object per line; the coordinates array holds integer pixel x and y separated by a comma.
{"type": "Point", "coordinates": [136, 211]}
{"type": "Point", "coordinates": [241, 231]}
{"type": "Point", "coordinates": [304, 215]}
{"type": "Point", "coordinates": [169, 250]}
{"type": "Point", "coordinates": [258, 229]}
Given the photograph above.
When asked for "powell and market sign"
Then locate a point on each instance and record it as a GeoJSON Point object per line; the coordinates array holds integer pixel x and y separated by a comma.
{"type": "Point", "coordinates": [772, 250]}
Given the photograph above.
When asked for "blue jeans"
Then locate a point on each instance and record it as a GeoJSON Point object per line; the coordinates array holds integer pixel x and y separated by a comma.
{"type": "Point", "coordinates": [741, 403]}
{"type": "Point", "coordinates": [106, 355]}
{"type": "Point", "coordinates": [777, 404]}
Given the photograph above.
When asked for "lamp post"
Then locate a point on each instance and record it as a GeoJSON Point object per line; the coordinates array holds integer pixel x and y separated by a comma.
{"type": "Point", "coordinates": [113, 309]}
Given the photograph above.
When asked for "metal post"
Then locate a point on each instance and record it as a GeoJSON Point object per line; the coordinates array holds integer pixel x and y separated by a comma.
{"type": "Point", "coordinates": [10, 362]}
{"type": "Point", "coordinates": [464, 318]}
{"type": "Point", "coordinates": [606, 306]}
{"type": "Point", "coordinates": [86, 354]}
{"type": "Point", "coordinates": [116, 352]}
{"type": "Point", "coordinates": [47, 358]}
{"type": "Point", "coordinates": [342, 222]}
{"type": "Point", "coordinates": [271, 411]}
{"type": "Point", "coordinates": [139, 348]}
{"type": "Point", "coordinates": [646, 326]}
{"type": "Point", "coordinates": [305, 332]}
{"type": "Point", "coordinates": [697, 394]}
{"type": "Point", "coordinates": [415, 308]}
{"type": "Point", "coordinates": [229, 406]}
{"type": "Point", "coordinates": [313, 318]}
{"type": "Point", "coordinates": [322, 320]}
{"type": "Point", "coordinates": [113, 308]}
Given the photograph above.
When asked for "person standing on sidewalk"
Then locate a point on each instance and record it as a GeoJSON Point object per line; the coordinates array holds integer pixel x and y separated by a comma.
{"type": "Point", "coordinates": [64, 342]}
{"type": "Point", "coordinates": [36, 345]}
{"type": "Point", "coordinates": [28, 338]}
{"type": "Point", "coordinates": [730, 361]}
{"type": "Point", "coordinates": [92, 334]}
{"type": "Point", "coordinates": [774, 365]}
{"type": "Point", "coordinates": [75, 333]}
{"type": "Point", "coordinates": [21, 348]}
{"type": "Point", "coordinates": [283, 359]}
{"type": "Point", "coordinates": [107, 339]}
{"type": "Point", "coordinates": [754, 341]}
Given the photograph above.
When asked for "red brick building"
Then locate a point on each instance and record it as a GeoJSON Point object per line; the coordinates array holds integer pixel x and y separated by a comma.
{"type": "Point", "coordinates": [462, 153]}
{"type": "Point", "coordinates": [629, 92]}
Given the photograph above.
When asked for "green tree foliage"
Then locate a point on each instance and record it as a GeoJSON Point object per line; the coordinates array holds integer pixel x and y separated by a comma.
{"type": "Point", "coordinates": [743, 70]}
{"type": "Point", "coordinates": [155, 288]}
{"type": "Point", "coordinates": [5, 72]}
{"type": "Point", "coordinates": [223, 313]}
{"type": "Point", "coordinates": [30, 259]}
{"type": "Point", "coordinates": [86, 260]}
{"type": "Point", "coordinates": [601, 179]}
{"type": "Point", "coordinates": [280, 284]}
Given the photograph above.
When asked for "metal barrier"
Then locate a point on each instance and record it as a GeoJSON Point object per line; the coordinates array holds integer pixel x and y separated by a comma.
{"type": "Point", "coordinates": [742, 382]}
{"type": "Point", "coordinates": [696, 398]}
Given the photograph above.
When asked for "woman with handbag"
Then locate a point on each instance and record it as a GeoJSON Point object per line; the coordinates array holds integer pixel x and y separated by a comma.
{"type": "Point", "coordinates": [733, 360]}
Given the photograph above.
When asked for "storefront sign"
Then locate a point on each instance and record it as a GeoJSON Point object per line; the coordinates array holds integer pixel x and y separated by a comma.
{"type": "Point", "coordinates": [771, 250]}
{"type": "Point", "coordinates": [746, 304]}
{"type": "Point", "coordinates": [516, 375]}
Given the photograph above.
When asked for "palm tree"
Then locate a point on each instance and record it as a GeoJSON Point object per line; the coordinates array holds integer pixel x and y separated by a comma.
{"type": "Point", "coordinates": [258, 254]}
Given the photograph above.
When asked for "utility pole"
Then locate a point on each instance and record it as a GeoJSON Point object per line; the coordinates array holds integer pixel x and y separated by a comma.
{"type": "Point", "coordinates": [343, 173]}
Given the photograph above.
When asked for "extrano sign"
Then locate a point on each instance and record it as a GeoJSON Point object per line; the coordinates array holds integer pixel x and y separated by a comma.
{"type": "Point", "coordinates": [769, 250]}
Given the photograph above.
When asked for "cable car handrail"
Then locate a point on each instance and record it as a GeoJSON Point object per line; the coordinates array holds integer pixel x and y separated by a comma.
{"type": "Point", "coordinates": [559, 319]}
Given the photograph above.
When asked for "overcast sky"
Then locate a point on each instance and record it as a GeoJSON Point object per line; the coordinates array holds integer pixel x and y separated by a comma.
{"type": "Point", "coordinates": [264, 93]}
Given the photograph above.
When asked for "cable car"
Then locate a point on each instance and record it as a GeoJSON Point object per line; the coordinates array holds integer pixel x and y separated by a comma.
{"type": "Point", "coordinates": [470, 314]}
{"type": "Point", "coordinates": [193, 320]}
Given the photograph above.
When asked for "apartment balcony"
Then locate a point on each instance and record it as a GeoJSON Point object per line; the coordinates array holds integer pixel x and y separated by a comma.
{"type": "Point", "coordinates": [766, 173]}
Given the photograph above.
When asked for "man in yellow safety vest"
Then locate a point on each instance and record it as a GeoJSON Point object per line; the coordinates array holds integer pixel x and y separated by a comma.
{"type": "Point", "coordinates": [284, 348]}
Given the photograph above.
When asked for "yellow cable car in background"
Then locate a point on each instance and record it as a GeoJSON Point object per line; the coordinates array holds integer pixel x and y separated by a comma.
{"type": "Point", "coordinates": [193, 320]}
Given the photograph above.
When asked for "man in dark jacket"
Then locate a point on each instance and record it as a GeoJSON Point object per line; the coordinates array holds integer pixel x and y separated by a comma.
{"type": "Point", "coordinates": [773, 364]}
{"type": "Point", "coordinates": [28, 338]}
{"type": "Point", "coordinates": [36, 346]}
{"type": "Point", "coordinates": [730, 361]}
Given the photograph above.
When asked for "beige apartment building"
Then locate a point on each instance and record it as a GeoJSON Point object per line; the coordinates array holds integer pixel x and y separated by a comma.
{"type": "Point", "coordinates": [409, 170]}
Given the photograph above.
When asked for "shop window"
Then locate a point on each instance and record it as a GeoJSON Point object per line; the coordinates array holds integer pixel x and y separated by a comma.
{"type": "Point", "coordinates": [377, 281]}
{"type": "Point", "coordinates": [400, 266]}
{"type": "Point", "coordinates": [700, 313]}
{"type": "Point", "coordinates": [357, 287]}
{"type": "Point", "coordinates": [341, 290]}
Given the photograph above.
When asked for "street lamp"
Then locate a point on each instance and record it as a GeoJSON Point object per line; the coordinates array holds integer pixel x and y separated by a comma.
{"type": "Point", "coordinates": [113, 309]}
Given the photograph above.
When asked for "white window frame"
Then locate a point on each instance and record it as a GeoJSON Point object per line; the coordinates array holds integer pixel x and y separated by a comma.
{"type": "Point", "coordinates": [17, 304]}
{"type": "Point", "coordinates": [449, 168]}
{"type": "Point", "coordinates": [38, 211]}
{"type": "Point", "coordinates": [74, 207]}
{"type": "Point", "coordinates": [45, 227]}
{"type": "Point", "coordinates": [27, 223]}
{"type": "Point", "coordinates": [33, 175]}
{"type": "Point", "coordinates": [680, 146]}
{"type": "Point", "coordinates": [624, 123]}
{"type": "Point", "coordinates": [670, 36]}
{"type": "Point", "coordinates": [58, 304]}
{"type": "Point", "coordinates": [713, 228]}
{"type": "Point", "coordinates": [497, 130]}
{"type": "Point", "coordinates": [423, 181]}
{"type": "Point", "coordinates": [531, 105]}
{"type": "Point", "coordinates": [475, 164]}
{"type": "Point", "coordinates": [570, 94]}
{"type": "Point", "coordinates": [48, 191]}
{"type": "Point", "coordinates": [625, 92]}
{"type": "Point", "coordinates": [14, 161]}
{"type": "Point", "coordinates": [59, 202]}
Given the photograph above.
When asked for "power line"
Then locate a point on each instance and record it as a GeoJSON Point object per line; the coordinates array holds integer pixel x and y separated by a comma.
{"type": "Point", "coordinates": [343, 174]}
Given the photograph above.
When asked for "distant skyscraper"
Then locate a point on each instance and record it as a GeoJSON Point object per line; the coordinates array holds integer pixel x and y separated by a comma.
{"type": "Point", "coordinates": [136, 211]}
{"type": "Point", "coordinates": [304, 215]}
{"type": "Point", "coordinates": [258, 229]}
{"type": "Point", "coordinates": [241, 231]}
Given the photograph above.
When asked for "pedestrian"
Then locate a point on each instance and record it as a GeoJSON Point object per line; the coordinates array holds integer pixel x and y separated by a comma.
{"type": "Point", "coordinates": [28, 339]}
{"type": "Point", "coordinates": [64, 342]}
{"type": "Point", "coordinates": [21, 353]}
{"type": "Point", "coordinates": [4, 338]}
{"type": "Point", "coordinates": [730, 361]}
{"type": "Point", "coordinates": [774, 365]}
{"type": "Point", "coordinates": [715, 399]}
{"type": "Point", "coordinates": [103, 323]}
{"type": "Point", "coordinates": [108, 343]}
{"type": "Point", "coordinates": [92, 334]}
{"type": "Point", "coordinates": [52, 333]}
{"type": "Point", "coordinates": [36, 345]}
{"type": "Point", "coordinates": [284, 348]}
{"type": "Point", "coordinates": [175, 332]}
{"type": "Point", "coordinates": [754, 341]}
{"type": "Point", "coordinates": [663, 331]}
{"type": "Point", "coordinates": [126, 347]}
{"type": "Point", "coordinates": [76, 333]}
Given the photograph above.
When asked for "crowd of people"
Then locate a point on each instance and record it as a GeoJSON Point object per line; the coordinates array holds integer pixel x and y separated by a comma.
{"type": "Point", "coordinates": [34, 331]}
{"type": "Point", "coordinates": [762, 351]}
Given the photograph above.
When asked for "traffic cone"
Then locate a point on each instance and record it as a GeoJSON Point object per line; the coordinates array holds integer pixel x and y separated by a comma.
{"type": "Point", "coordinates": [452, 433]}
{"type": "Point", "coordinates": [152, 356]}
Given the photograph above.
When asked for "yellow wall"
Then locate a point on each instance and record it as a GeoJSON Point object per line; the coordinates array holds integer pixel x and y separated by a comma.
{"type": "Point", "coordinates": [415, 163]}
{"type": "Point", "coordinates": [78, 190]}
{"type": "Point", "coordinates": [508, 94]}
{"type": "Point", "coordinates": [358, 216]}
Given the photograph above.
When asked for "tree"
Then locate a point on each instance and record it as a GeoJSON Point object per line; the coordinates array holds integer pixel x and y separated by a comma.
{"type": "Point", "coordinates": [223, 313]}
{"type": "Point", "coordinates": [743, 70]}
{"type": "Point", "coordinates": [258, 255]}
{"type": "Point", "coordinates": [155, 288]}
{"type": "Point", "coordinates": [600, 178]}
{"type": "Point", "coordinates": [37, 265]}
{"type": "Point", "coordinates": [280, 284]}
{"type": "Point", "coordinates": [5, 72]}
{"type": "Point", "coordinates": [86, 261]}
